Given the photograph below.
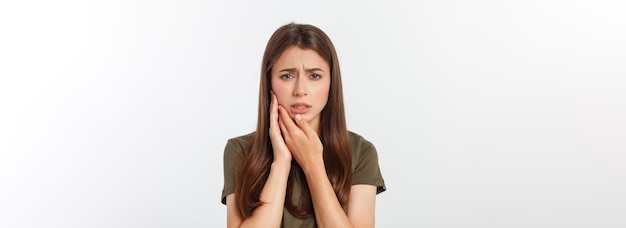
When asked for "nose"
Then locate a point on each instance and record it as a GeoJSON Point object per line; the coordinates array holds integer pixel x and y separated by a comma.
{"type": "Point", "coordinates": [300, 89]}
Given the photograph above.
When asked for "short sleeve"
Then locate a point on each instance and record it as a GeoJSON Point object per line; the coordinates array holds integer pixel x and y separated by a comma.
{"type": "Point", "coordinates": [365, 164]}
{"type": "Point", "coordinates": [232, 158]}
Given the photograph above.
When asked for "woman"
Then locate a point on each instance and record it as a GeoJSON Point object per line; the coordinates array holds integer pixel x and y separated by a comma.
{"type": "Point", "coordinates": [301, 167]}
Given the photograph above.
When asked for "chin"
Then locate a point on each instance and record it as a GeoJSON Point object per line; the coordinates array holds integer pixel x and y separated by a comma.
{"type": "Point", "coordinates": [304, 116]}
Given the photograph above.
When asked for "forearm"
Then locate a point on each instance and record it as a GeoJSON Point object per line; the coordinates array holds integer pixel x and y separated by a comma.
{"type": "Point", "coordinates": [328, 210]}
{"type": "Point", "coordinates": [270, 212]}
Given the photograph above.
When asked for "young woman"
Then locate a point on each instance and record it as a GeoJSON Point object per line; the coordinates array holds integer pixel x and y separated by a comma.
{"type": "Point", "coordinates": [301, 167]}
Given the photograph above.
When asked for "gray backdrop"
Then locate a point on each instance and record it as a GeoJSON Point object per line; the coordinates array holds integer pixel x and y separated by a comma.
{"type": "Point", "coordinates": [484, 113]}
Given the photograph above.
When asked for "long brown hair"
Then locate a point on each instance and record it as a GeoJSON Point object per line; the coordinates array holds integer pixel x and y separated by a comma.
{"type": "Point", "coordinates": [258, 155]}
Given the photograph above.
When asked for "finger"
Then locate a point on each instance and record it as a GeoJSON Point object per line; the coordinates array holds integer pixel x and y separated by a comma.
{"type": "Point", "coordinates": [289, 124]}
{"type": "Point", "coordinates": [283, 129]}
{"type": "Point", "coordinates": [281, 124]}
{"type": "Point", "coordinates": [304, 125]}
{"type": "Point", "coordinates": [273, 111]}
{"type": "Point", "coordinates": [274, 107]}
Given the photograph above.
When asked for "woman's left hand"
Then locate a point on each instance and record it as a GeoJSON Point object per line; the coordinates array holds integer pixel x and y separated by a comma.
{"type": "Point", "coordinates": [301, 139]}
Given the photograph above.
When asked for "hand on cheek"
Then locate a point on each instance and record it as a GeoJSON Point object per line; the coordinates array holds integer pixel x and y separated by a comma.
{"type": "Point", "coordinates": [281, 152]}
{"type": "Point", "coordinates": [301, 139]}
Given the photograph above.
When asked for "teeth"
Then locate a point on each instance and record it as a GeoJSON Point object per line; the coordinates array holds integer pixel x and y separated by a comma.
{"type": "Point", "coordinates": [300, 107]}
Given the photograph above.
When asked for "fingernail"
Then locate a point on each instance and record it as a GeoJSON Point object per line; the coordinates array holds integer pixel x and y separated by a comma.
{"type": "Point", "coordinates": [298, 117]}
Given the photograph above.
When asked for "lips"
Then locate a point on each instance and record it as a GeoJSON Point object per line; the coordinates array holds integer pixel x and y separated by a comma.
{"type": "Point", "coordinates": [300, 108]}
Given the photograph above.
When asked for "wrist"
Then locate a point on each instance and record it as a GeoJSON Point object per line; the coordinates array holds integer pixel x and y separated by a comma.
{"type": "Point", "coordinates": [281, 165]}
{"type": "Point", "coordinates": [314, 167]}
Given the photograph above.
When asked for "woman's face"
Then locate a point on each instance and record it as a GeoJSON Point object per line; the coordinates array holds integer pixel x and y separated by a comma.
{"type": "Point", "coordinates": [301, 80]}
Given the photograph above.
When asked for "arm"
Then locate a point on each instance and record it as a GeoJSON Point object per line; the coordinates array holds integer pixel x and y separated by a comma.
{"type": "Point", "coordinates": [328, 211]}
{"type": "Point", "coordinates": [307, 149]}
{"type": "Point", "coordinates": [362, 205]}
{"type": "Point", "coordinates": [270, 212]}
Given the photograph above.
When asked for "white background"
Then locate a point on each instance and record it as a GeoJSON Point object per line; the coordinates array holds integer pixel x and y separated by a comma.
{"type": "Point", "coordinates": [484, 113]}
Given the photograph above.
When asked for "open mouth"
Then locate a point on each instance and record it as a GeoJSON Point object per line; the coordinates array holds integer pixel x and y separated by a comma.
{"type": "Point", "coordinates": [300, 108]}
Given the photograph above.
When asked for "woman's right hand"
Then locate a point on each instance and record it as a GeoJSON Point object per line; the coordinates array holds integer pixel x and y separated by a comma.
{"type": "Point", "coordinates": [281, 153]}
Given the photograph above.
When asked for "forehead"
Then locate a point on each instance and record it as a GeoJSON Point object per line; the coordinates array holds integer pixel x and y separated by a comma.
{"type": "Point", "coordinates": [296, 57]}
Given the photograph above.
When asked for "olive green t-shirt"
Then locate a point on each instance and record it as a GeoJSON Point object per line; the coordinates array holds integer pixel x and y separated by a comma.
{"type": "Point", "coordinates": [365, 170]}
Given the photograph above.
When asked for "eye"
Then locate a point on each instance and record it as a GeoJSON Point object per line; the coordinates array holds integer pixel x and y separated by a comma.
{"type": "Point", "coordinates": [316, 76]}
{"type": "Point", "coordinates": [287, 76]}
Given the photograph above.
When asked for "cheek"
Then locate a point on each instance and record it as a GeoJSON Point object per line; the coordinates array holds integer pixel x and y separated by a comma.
{"type": "Point", "coordinates": [325, 89]}
{"type": "Point", "coordinates": [281, 92]}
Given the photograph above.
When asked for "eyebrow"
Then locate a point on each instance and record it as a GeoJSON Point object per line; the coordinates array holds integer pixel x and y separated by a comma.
{"type": "Point", "coordinates": [307, 70]}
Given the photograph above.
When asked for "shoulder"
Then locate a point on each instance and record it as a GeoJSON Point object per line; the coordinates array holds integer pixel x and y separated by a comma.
{"type": "Point", "coordinates": [362, 150]}
{"type": "Point", "coordinates": [236, 145]}
{"type": "Point", "coordinates": [359, 144]}
{"type": "Point", "coordinates": [241, 140]}
{"type": "Point", "coordinates": [365, 169]}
